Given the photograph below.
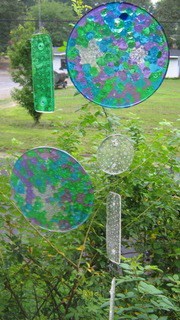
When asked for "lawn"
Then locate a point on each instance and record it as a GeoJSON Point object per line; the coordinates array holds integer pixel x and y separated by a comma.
{"type": "Point", "coordinates": [17, 126]}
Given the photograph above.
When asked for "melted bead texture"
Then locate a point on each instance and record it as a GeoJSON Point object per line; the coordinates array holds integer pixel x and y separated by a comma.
{"type": "Point", "coordinates": [115, 154]}
{"type": "Point", "coordinates": [117, 55]}
{"type": "Point", "coordinates": [42, 73]}
{"type": "Point", "coordinates": [52, 189]}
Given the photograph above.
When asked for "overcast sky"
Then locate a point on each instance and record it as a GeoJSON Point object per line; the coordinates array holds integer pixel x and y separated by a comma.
{"type": "Point", "coordinates": [154, 1]}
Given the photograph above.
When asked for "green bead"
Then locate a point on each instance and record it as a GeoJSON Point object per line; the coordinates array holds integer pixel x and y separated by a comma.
{"type": "Point", "coordinates": [94, 72]}
{"type": "Point", "coordinates": [146, 31]}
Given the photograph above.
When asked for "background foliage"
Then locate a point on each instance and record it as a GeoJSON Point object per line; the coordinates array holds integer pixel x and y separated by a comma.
{"type": "Point", "coordinates": [167, 11]}
{"type": "Point", "coordinates": [9, 15]}
{"type": "Point", "coordinates": [20, 57]}
{"type": "Point", "coordinates": [57, 15]}
{"type": "Point", "coordinates": [68, 276]}
{"type": "Point", "coordinates": [55, 19]}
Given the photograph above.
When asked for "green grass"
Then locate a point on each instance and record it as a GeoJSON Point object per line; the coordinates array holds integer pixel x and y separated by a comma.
{"type": "Point", "coordinates": [16, 124]}
{"type": "Point", "coordinates": [164, 104]}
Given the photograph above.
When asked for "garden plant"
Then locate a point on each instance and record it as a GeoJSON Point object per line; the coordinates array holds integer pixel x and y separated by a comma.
{"type": "Point", "coordinates": [48, 275]}
{"type": "Point", "coordinates": [57, 276]}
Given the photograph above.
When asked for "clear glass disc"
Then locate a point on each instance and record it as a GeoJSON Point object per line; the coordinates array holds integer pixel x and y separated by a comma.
{"type": "Point", "coordinates": [115, 154]}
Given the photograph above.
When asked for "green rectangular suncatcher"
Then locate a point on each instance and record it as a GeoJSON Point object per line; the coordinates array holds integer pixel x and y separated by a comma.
{"type": "Point", "coordinates": [42, 72]}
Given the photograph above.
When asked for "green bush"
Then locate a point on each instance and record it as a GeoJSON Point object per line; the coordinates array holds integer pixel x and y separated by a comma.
{"type": "Point", "coordinates": [19, 53]}
{"type": "Point", "coordinates": [67, 276]}
{"type": "Point", "coordinates": [138, 295]}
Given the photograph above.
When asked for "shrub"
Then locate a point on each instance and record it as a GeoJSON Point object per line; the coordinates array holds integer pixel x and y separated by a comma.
{"type": "Point", "coordinates": [67, 276]}
{"type": "Point", "coordinates": [20, 57]}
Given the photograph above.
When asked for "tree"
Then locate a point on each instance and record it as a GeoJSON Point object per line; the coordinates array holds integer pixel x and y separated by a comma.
{"type": "Point", "coordinates": [55, 19]}
{"type": "Point", "coordinates": [168, 14]}
{"type": "Point", "coordinates": [64, 1]}
{"type": "Point", "coordinates": [20, 57]}
{"type": "Point", "coordinates": [29, 3]}
{"type": "Point", "coordinates": [147, 4]}
{"type": "Point", "coordinates": [9, 13]}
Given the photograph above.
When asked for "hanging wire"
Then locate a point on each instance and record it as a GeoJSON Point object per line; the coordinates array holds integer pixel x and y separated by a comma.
{"type": "Point", "coordinates": [39, 14]}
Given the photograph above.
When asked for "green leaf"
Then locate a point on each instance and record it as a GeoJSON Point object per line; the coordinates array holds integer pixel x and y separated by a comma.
{"type": "Point", "coordinates": [163, 303]}
{"type": "Point", "coordinates": [146, 288]}
{"type": "Point", "coordinates": [155, 268]}
{"type": "Point", "coordinates": [62, 49]}
{"type": "Point", "coordinates": [76, 93]}
{"type": "Point", "coordinates": [105, 304]}
{"type": "Point", "coordinates": [125, 266]}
